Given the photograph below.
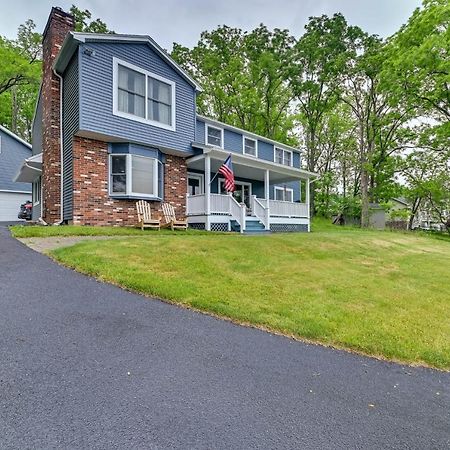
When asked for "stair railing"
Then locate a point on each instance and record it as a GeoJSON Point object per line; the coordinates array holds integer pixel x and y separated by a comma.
{"type": "Point", "coordinates": [260, 211]}
{"type": "Point", "coordinates": [237, 211]}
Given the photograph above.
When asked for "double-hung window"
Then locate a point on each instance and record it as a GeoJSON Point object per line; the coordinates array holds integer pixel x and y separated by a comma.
{"type": "Point", "coordinates": [250, 146]}
{"type": "Point", "coordinates": [284, 194]}
{"type": "Point", "coordinates": [135, 176]}
{"type": "Point", "coordinates": [143, 96]}
{"type": "Point", "coordinates": [283, 156]}
{"type": "Point", "coordinates": [214, 136]}
{"type": "Point", "coordinates": [131, 92]}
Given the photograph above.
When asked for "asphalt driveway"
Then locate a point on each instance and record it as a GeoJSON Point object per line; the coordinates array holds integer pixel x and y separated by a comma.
{"type": "Point", "coordinates": [88, 365]}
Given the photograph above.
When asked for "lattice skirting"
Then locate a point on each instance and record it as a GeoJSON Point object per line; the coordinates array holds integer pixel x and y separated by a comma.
{"type": "Point", "coordinates": [288, 227]}
{"type": "Point", "coordinates": [197, 226]}
{"type": "Point", "coordinates": [219, 227]}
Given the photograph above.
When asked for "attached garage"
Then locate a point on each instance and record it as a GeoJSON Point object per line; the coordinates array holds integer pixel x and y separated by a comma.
{"type": "Point", "coordinates": [13, 152]}
{"type": "Point", "coordinates": [10, 203]}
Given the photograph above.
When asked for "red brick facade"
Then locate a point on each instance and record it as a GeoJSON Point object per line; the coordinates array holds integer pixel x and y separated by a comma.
{"type": "Point", "coordinates": [58, 25]}
{"type": "Point", "coordinates": [91, 202]}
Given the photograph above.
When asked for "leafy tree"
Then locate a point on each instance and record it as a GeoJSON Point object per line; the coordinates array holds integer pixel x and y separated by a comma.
{"type": "Point", "coordinates": [20, 71]}
{"type": "Point", "coordinates": [320, 58]}
{"type": "Point", "coordinates": [244, 78]}
{"type": "Point", "coordinates": [419, 68]}
{"type": "Point", "coordinates": [84, 23]}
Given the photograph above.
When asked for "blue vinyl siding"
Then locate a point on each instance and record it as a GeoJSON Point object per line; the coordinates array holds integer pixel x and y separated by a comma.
{"type": "Point", "coordinates": [200, 131]}
{"type": "Point", "coordinates": [12, 155]}
{"type": "Point", "coordinates": [96, 97]}
{"type": "Point", "coordinates": [70, 127]}
{"type": "Point", "coordinates": [233, 142]}
{"type": "Point", "coordinates": [265, 151]}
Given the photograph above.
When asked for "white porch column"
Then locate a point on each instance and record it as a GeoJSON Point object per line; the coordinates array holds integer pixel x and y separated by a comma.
{"type": "Point", "coordinates": [307, 204]}
{"type": "Point", "coordinates": [267, 195]}
{"type": "Point", "coordinates": [208, 192]}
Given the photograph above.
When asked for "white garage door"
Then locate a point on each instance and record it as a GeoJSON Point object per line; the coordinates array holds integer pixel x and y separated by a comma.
{"type": "Point", "coordinates": [10, 204]}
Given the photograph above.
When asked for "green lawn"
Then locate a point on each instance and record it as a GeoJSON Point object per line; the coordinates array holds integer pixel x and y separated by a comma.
{"type": "Point", "coordinates": [380, 293]}
{"type": "Point", "coordinates": [27, 231]}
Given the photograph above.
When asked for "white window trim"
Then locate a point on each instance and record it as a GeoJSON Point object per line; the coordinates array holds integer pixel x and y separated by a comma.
{"type": "Point", "coordinates": [279, 188]}
{"type": "Point", "coordinates": [283, 150]}
{"type": "Point", "coordinates": [35, 185]}
{"type": "Point", "coordinates": [116, 112]}
{"type": "Point", "coordinates": [200, 177]}
{"type": "Point", "coordinates": [215, 128]}
{"type": "Point", "coordinates": [244, 137]}
{"type": "Point", "coordinates": [128, 173]}
{"type": "Point", "coordinates": [235, 182]}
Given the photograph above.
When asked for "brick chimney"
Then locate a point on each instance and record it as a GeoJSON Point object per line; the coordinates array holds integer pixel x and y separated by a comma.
{"type": "Point", "coordinates": [59, 24]}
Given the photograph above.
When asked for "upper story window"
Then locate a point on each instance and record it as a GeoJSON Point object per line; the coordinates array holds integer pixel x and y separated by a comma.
{"type": "Point", "coordinates": [135, 176]}
{"type": "Point", "coordinates": [143, 96]}
{"type": "Point", "coordinates": [283, 156]}
{"type": "Point", "coordinates": [250, 146]}
{"type": "Point", "coordinates": [214, 136]}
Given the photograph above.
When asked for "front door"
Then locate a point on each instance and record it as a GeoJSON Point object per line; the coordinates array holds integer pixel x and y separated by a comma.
{"type": "Point", "coordinates": [195, 184]}
{"type": "Point", "coordinates": [242, 192]}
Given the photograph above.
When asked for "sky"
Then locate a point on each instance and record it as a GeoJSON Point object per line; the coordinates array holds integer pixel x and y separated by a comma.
{"type": "Point", "coordinates": [182, 21]}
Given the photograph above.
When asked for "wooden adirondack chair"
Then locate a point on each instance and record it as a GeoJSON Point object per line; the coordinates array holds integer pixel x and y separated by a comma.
{"type": "Point", "coordinates": [171, 220]}
{"type": "Point", "coordinates": [145, 216]}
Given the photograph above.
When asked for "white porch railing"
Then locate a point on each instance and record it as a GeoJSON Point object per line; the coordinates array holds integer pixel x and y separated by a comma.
{"type": "Point", "coordinates": [260, 211]}
{"type": "Point", "coordinates": [227, 205]}
{"type": "Point", "coordinates": [238, 212]}
{"type": "Point", "coordinates": [195, 205]}
{"type": "Point", "coordinates": [219, 204]}
{"type": "Point", "coordinates": [280, 208]}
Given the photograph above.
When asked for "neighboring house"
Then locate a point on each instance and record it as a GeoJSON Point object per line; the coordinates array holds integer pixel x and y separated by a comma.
{"type": "Point", "coordinates": [13, 150]}
{"type": "Point", "coordinates": [128, 129]}
{"type": "Point", "coordinates": [427, 218]}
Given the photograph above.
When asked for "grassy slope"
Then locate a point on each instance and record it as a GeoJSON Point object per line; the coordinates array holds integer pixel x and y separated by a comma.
{"type": "Point", "coordinates": [27, 231]}
{"type": "Point", "coordinates": [381, 293]}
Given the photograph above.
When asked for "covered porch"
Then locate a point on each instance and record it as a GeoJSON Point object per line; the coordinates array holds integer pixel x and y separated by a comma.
{"type": "Point", "coordinates": [269, 196]}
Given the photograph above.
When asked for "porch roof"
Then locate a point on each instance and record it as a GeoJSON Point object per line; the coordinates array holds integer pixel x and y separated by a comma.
{"type": "Point", "coordinates": [30, 169]}
{"type": "Point", "coordinates": [247, 166]}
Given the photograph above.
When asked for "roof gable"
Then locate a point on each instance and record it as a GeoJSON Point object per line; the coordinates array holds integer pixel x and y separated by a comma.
{"type": "Point", "coordinates": [13, 151]}
{"type": "Point", "coordinates": [73, 39]}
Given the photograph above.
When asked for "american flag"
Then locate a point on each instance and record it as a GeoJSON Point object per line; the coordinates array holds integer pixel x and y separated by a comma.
{"type": "Point", "coordinates": [226, 169]}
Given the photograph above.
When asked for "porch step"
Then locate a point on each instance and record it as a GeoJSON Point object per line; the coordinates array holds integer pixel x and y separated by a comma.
{"type": "Point", "coordinates": [252, 226]}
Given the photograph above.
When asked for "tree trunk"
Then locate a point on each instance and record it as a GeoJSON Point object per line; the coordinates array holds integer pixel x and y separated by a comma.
{"type": "Point", "coordinates": [364, 178]}
{"type": "Point", "coordinates": [364, 198]}
{"type": "Point", "coordinates": [414, 210]}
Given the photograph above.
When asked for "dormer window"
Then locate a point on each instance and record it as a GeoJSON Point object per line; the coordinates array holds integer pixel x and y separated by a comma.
{"type": "Point", "coordinates": [143, 96]}
{"type": "Point", "coordinates": [214, 136]}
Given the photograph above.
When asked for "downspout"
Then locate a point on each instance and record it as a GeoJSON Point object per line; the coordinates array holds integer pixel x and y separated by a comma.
{"type": "Point", "coordinates": [61, 145]}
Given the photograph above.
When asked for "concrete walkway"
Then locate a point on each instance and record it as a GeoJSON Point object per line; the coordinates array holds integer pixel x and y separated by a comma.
{"type": "Point", "coordinates": [88, 365]}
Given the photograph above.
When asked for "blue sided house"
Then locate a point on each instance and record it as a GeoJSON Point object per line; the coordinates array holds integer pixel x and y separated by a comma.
{"type": "Point", "coordinates": [116, 122]}
{"type": "Point", "coordinates": [13, 151]}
